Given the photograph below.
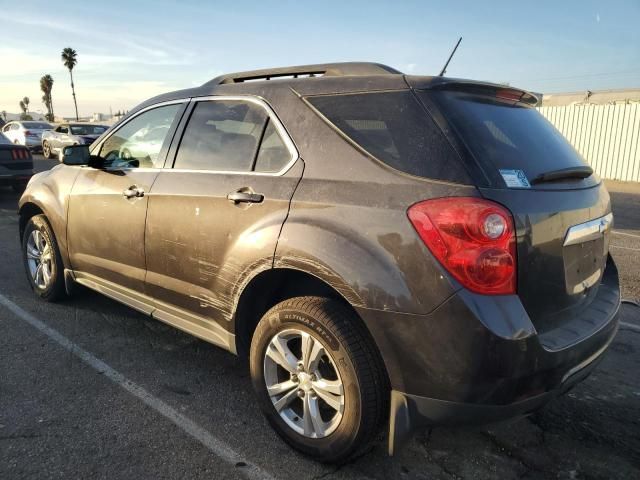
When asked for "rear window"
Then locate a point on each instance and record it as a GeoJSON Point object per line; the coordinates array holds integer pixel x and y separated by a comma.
{"type": "Point", "coordinates": [394, 128]}
{"type": "Point", "coordinates": [88, 129]}
{"type": "Point", "coordinates": [37, 125]}
{"type": "Point", "coordinates": [506, 136]}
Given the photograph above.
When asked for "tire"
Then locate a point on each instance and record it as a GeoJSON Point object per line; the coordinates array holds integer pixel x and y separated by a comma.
{"type": "Point", "coordinates": [53, 289]}
{"type": "Point", "coordinates": [348, 358]}
{"type": "Point", "coordinates": [46, 150]}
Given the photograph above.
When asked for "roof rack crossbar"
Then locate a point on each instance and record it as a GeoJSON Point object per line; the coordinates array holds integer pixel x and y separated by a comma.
{"type": "Point", "coordinates": [327, 69]}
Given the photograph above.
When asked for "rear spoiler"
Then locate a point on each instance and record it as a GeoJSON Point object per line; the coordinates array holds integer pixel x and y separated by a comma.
{"type": "Point", "coordinates": [505, 92]}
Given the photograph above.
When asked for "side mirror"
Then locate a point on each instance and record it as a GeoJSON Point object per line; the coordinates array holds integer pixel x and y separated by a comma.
{"type": "Point", "coordinates": [79, 155]}
{"type": "Point", "coordinates": [76, 155]}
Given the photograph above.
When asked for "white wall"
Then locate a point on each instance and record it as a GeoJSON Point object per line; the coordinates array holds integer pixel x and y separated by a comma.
{"type": "Point", "coordinates": [605, 135]}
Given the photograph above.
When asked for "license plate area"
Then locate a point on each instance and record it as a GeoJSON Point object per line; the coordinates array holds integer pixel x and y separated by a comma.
{"type": "Point", "coordinates": [585, 251]}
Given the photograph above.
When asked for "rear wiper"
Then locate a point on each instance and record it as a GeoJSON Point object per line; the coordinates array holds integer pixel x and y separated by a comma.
{"type": "Point", "coordinates": [563, 173]}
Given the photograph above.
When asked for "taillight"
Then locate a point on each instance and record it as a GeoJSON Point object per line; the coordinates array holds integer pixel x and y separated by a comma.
{"type": "Point", "coordinates": [19, 154]}
{"type": "Point", "coordinates": [473, 238]}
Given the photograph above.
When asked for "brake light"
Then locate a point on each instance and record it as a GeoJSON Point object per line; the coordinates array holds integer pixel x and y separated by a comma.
{"type": "Point", "coordinates": [506, 94]}
{"type": "Point", "coordinates": [19, 154]}
{"type": "Point", "coordinates": [473, 238]}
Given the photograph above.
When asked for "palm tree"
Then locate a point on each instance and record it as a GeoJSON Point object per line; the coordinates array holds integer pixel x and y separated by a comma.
{"type": "Point", "coordinates": [69, 60]}
{"type": "Point", "coordinates": [24, 106]}
{"type": "Point", "coordinates": [4, 115]}
{"type": "Point", "coordinates": [46, 84]}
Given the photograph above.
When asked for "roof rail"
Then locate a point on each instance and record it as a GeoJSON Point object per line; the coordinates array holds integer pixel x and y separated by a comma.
{"type": "Point", "coordinates": [319, 70]}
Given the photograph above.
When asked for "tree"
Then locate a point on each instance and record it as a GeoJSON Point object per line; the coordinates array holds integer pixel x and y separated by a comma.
{"type": "Point", "coordinates": [69, 60]}
{"type": "Point", "coordinates": [24, 106]}
{"type": "Point", "coordinates": [4, 115]}
{"type": "Point", "coordinates": [46, 85]}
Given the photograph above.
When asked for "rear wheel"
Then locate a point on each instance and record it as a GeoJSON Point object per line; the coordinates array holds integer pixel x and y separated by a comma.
{"type": "Point", "coordinates": [46, 150]}
{"type": "Point", "coordinates": [318, 377]}
{"type": "Point", "coordinates": [42, 260]}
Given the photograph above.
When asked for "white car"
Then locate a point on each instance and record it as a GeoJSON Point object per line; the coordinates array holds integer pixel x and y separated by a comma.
{"type": "Point", "coordinates": [27, 133]}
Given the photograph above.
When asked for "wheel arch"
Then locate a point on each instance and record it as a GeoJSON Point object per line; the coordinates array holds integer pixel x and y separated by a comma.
{"type": "Point", "coordinates": [27, 211]}
{"type": "Point", "coordinates": [271, 287]}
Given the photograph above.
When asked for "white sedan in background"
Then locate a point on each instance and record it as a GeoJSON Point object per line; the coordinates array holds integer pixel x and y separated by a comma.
{"type": "Point", "coordinates": [27, 133]}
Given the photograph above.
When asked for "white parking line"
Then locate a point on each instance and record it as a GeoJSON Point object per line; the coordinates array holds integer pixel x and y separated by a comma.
{"type": "Point", "coordinates": [630, 326]}
{"type": "Point", "coordinates": [625, 248]}
{"type": "Point", "coordinates": [217, 446]}
{"type": "Point", "coordinates": [626, 234]}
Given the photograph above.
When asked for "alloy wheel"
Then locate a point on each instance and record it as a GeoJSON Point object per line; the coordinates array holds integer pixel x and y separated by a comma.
{"type": "Point", "coordinates": [39, 259]}
{"type": "Point", "coordinates": [303, 383]}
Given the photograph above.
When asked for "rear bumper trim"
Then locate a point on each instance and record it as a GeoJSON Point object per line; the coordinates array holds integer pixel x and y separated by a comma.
{"type": "Point", "coordinates": [409, 413]}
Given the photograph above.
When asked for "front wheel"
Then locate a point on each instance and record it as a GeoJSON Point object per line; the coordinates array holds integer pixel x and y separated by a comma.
{"type": "Point", "coordinates": [318, 377]}
{"type": "Point", "coordinates": [42, 260]}
{"type": "Point", "coordinates": [46, 150]}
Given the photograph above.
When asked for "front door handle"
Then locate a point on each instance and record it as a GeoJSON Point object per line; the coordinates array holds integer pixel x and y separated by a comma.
{"type": "Point", "coordinates": [133, 191]}
{"type": "Point", "coordinates": [245, 197]}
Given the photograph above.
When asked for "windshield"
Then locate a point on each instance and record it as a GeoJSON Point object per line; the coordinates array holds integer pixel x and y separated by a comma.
{"type": "Point", "coordinates": [88, 129]}
{"type": "Point", "coordinates": [37, 125]}
{"type": "Point", "coordinates": [507, 136]}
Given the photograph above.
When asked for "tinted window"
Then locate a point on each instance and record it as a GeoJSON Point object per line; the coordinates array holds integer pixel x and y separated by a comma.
{"type": "Point", "coordinates": [139, 142]}
{"type": "Point", "coordinates": [221, 135]}
{"type": "Point", "coordinates": [62, 129]}
{"type": "Point", "coordinates": [394, 128]}
{"type": "Point", "coordinates": [505, 135]}
{"type": "Point", "coordinates": [87, 129]}
{"type": "Point", "coordinates": [273, 154]}
{"type": "Point", "coordinates": [37, 125]}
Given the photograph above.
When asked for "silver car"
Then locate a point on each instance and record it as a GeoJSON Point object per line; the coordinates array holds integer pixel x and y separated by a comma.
{"type": "Point", "coordinates": [26, 132]}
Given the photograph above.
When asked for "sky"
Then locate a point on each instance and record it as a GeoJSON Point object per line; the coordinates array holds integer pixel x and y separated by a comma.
{"type": "Point", "coordinates": [129, 51]}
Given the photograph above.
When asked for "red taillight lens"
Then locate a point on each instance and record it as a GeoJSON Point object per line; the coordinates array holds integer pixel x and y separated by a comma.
{"type": "Point", "coordinates": [473, 238]}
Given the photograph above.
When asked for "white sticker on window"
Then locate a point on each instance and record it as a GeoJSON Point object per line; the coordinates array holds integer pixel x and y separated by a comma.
{"type": "Point", "coordinates": [515, 178]}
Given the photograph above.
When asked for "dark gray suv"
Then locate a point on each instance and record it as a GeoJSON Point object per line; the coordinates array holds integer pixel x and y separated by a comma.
{"type": "Point", "coordinates": [423, 248]}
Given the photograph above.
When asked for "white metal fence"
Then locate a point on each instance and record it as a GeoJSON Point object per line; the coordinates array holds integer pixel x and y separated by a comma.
{"type": "Point", "coordinates": [605, 135]}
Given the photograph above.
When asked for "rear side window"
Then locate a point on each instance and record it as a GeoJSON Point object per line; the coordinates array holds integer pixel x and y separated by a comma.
{"type": "Point", "coordinates": [222, 135]}
{"type": "Point", "coordinates": [394, 128]}
{"type": "Point", "coordinates": [273, 154]}
{"type": "Point", "coordinates": [506, 135]}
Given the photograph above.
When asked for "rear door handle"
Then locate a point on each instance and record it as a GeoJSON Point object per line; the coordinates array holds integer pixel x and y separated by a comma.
{"type": "Point", "coordinates": [133, 191]}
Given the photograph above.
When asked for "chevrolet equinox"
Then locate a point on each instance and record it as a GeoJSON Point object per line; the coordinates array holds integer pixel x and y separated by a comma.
{"type": "Point", "coordinates": [426, 250]}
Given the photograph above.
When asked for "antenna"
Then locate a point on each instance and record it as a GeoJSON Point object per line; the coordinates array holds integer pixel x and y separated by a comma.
{"type": "Point", "coordinates": [444, 69]}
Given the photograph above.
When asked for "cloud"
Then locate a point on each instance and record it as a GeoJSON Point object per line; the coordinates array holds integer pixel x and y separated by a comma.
{"type": "Point", "coordinates": [144, 49]}
{"type": "Point", "coordinates": [598, 17]}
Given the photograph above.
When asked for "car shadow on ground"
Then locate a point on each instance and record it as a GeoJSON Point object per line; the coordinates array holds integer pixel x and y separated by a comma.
{"type": "Point", "coordinates": [590, 431]}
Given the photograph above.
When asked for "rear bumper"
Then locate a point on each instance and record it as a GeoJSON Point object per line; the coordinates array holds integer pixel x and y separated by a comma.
{"type": "Point", "coordinates": [479, 359]}
{"type": "Point", "coordinates": [409, 413]}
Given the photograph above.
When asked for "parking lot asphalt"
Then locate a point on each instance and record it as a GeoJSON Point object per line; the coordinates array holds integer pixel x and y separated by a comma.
{"type": "Point", "coordinates": [92, 389]}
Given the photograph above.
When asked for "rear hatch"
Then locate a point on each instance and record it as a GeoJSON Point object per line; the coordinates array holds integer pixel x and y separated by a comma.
{"type": "Point", "coordinates": [561, 210]}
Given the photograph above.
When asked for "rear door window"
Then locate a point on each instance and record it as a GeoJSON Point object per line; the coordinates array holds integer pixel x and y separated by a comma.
{"type": "Point", "coordinates": [222, 135]}
{"type": "Point", "coordinates": [394, 128]}
{"type": "Point", "coordinates": [273, 155]}
{"type": "Point", "coordinates": [506, 135]}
